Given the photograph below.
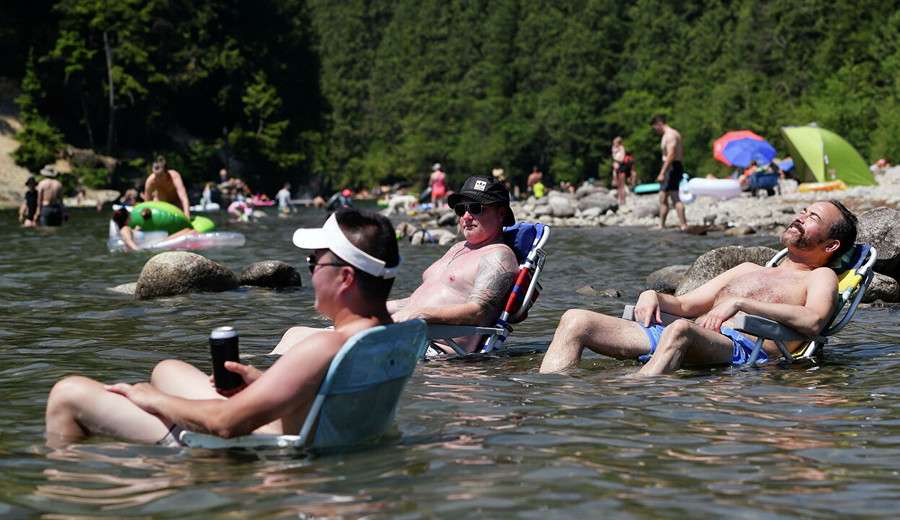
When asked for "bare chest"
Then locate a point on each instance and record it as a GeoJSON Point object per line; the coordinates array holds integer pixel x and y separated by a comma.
{"type": "Point", "coordinates": [767, 285]}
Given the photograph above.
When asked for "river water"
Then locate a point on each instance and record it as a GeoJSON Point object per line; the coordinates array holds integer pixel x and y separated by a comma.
{"type": "Point", "coordinates": [486, 439]}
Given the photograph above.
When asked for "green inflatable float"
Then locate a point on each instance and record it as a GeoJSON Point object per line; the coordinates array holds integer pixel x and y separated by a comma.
{"type": "Point", "coordinates": [168, 218]}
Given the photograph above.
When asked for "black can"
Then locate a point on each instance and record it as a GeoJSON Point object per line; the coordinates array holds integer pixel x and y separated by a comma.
{"type": "Point", "coordinates": [223, 346]}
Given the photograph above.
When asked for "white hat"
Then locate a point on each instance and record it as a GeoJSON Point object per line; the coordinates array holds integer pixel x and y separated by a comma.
{"type": "Point", "coordinates": [437, 166]}
{"type": "Point", "coordinates": [330, 236]}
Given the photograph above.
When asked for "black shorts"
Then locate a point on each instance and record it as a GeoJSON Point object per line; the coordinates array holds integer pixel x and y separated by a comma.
{"type": "Point", "coordinates": [672, 177]}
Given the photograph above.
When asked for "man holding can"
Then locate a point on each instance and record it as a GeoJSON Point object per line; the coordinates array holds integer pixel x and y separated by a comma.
{"type": "Point", "coordinates": [353, 266]}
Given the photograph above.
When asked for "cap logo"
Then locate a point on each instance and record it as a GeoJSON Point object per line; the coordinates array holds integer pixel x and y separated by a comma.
{"type": "Point", "coordinates": [480, 185]}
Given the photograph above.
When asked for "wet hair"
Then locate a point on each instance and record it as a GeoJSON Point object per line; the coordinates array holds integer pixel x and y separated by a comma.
{"type": "Point", "coordinates": [120, 216]}
{"type": "Point", "coordinates": [844, 229]}
{"type": "Point", "coordinates": [374, 234]}
{"type": "Point", "coordinates": [660, 118]}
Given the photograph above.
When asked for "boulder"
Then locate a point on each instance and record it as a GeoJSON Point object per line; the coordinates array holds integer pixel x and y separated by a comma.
{"type": "Point", "coordinates": [739, 231]}
{"type": "Point", "coordinates": [604, 201]}
{"type": "Point", "coordinates": [590, 290]}
{"type": "Point", "coordinates": [271, 273]}
{"type": "Point", "coordinates": [562, 207]}
{"type": "Point", "coordinates": [448, 218]}
{"type": "Point", "coordinates": [715, 262]}
{"type": "Point", "coordinates": [666, 280]}
{"type": "Point", "coordinates": [878, 228]}
{"type": "Point", "coordinates": [432, 236]}
{"type": "Point", "coordinates": [179, 272]}
{"type": "Point", "coordinates": [882, 288]}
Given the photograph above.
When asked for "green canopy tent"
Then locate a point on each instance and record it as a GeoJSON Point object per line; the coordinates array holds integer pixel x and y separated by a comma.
{"type": "Point", "coordinates": [821, 155]}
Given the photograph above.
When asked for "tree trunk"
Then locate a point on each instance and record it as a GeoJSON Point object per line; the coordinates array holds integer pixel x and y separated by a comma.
{"type": "Point", "coordinates": [85, 110]}
{"type": "Point", "coordinates": [111, 128]}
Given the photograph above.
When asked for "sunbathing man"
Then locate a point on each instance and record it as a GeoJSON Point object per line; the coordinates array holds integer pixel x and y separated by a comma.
{"type": "Point", "coordinates": [166, 185]}
{"type": "Point", "coordinates": [353, 268]}
{"type": "Point", "coordinates": [470, 283]}
{"type": "Point", "coordinates": [799, 293]}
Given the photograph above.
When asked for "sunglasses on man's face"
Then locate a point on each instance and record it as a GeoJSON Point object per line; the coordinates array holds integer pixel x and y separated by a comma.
{"type": "Point", "coordinates": [312, 261]}
{"type": "Point", "coordinates": [474, 208]}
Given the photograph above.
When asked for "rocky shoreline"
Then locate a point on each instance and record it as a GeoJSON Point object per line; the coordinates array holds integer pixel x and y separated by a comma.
{"type": "Point", "coordinates": [592, 206]}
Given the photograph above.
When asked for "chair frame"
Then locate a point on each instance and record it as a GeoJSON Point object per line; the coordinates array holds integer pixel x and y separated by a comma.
{"type": "Point", "coordinates": [309, 432]}
{"type": "Point", "coordinates": [524, 296]}
{"type": "Point", "coordinates": [765, 328]}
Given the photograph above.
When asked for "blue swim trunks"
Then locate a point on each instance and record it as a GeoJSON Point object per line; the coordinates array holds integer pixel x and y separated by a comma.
{"type": "Point", "coordinates": [743, 346]}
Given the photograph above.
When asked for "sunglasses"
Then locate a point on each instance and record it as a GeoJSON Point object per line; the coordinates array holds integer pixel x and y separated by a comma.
{"type": "Point", "coordinates": [474, 208]}
{"type": "Point", "coordinates": [312, 261]}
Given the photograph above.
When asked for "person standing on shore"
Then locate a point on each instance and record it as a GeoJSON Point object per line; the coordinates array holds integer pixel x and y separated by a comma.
{"type": "Point", "coordinates": [49, 210]}
{"type": "Point", "coordinates": [671, 171]}
{"type": "Point", "coordinates": [438, 184]}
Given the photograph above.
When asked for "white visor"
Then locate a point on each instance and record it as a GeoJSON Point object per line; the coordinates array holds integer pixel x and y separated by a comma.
{"type": "Point", "coordinates": [330, 236]}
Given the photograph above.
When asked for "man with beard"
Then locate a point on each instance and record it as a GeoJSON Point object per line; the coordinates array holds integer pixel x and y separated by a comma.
{"type": "Point", "coordinates": [799, 293]}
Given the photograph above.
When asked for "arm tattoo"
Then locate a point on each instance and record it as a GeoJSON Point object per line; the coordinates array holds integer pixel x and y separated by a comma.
{"type": "Point", "coordinates": [496, 275]}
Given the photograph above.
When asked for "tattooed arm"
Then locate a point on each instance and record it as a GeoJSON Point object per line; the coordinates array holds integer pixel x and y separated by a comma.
{"type": "Point", "coordinates": [483, 304]}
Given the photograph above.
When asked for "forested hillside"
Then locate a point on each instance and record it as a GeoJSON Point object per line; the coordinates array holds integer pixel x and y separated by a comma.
{"type": "Point", "coordinates": [357, 93]}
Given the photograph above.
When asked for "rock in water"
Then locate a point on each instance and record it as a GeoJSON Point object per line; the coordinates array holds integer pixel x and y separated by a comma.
{"type": "Point", "coordinates": [179, 272]}
{"type": "Point", "coordinates": [272, 274]}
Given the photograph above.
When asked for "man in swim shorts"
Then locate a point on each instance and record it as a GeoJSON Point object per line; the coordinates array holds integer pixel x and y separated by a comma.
{"type": "Point", "coordinates": [671, 171]}
{"type": "Point", "coordinates": [353, 266]}
{"type": "Point", "coordinates": [50, 210]}
{"type": "Point", "coordinates": [799, 293]}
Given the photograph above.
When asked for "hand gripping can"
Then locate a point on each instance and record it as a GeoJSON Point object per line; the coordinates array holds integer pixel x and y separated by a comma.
{"type": "Point", "coordinates": [223, 346]}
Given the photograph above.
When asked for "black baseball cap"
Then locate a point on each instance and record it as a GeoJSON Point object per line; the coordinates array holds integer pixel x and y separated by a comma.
{"type": "Point", "coordinates": [488, 191]}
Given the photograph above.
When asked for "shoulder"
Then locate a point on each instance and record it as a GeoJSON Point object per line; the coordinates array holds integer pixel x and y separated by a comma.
{"type": "Point", "coordinates": [822, 275]}
{"type": "Point", "coordinates": [500, 254]}
{"type": "Point", "coordinates": [318, 346]}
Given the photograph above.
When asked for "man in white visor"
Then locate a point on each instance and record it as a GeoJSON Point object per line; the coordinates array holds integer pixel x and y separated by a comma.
{"type": "Point", "coordinates": [354, 260]}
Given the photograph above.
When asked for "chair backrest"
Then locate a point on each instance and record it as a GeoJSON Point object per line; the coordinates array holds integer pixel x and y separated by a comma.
{"type": "Point", "coordinates": [527, 240]}
{"type": "Point", "coordinates": [854, 272]}
{"type": "Point", "coordinates": [358, 398]}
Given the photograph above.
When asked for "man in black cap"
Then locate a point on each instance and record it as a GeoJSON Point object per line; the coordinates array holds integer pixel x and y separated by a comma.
{"type": "Point", "coordinates": [470, 283]}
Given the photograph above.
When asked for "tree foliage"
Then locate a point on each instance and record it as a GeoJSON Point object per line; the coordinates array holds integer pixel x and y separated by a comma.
{"type": "Point", "coordinates": [358, 93]}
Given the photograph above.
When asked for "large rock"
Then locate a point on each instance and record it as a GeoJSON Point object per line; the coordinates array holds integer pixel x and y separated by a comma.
{"type": "Point", "coordinates": [878, 227]}
{"type": "Point", "coordinates": [562, 207]}
{"type": "Point", "coordinates": [604, 201]}
{"type": "Point", "coordinates": [711, 264]}
{"type": "Point", "coordinates": [667, 279]}
{"type": "Point", "coordinates": [882, 288]}
{"type": "Point", "coordinates": [171, 273]}
{"type": "Point", "coordinates": [271, 273]}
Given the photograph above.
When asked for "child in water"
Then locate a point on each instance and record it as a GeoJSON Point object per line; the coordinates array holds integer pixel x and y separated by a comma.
{"type": "Point", "coordinates": [122, 219]}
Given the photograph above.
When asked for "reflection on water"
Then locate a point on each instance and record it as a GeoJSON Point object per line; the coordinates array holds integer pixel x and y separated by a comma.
{"type": "Point", "coordinates": [485, 439]}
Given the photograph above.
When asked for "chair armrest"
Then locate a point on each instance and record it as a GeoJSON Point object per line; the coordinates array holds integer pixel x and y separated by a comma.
{"type": "Point", "coordinates": [769, 329]}
{"type": "Point", "coordinates": [203, 440]}
{"type": "Point", "coordinates": [667, 319]}
{"type": "Point", "coordinates": [442, 331]}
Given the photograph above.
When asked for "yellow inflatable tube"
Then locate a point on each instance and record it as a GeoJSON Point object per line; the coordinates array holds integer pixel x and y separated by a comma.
{"type": "Point", "coordinates": [822, 186]}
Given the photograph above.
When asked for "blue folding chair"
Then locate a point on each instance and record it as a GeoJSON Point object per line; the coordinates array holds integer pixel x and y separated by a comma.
{"type": "Point", "coordinates": [527, 241]}
{"type": "Point", "coordinates": [358, 398]}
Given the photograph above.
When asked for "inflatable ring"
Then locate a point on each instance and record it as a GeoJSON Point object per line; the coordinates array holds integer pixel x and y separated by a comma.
{"type": "Point", "coordinates": [717, 188]}
{"type": "Point", "coordinates": [167, 217]}
{"type": "Point", "coordinates": [822, 186]}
